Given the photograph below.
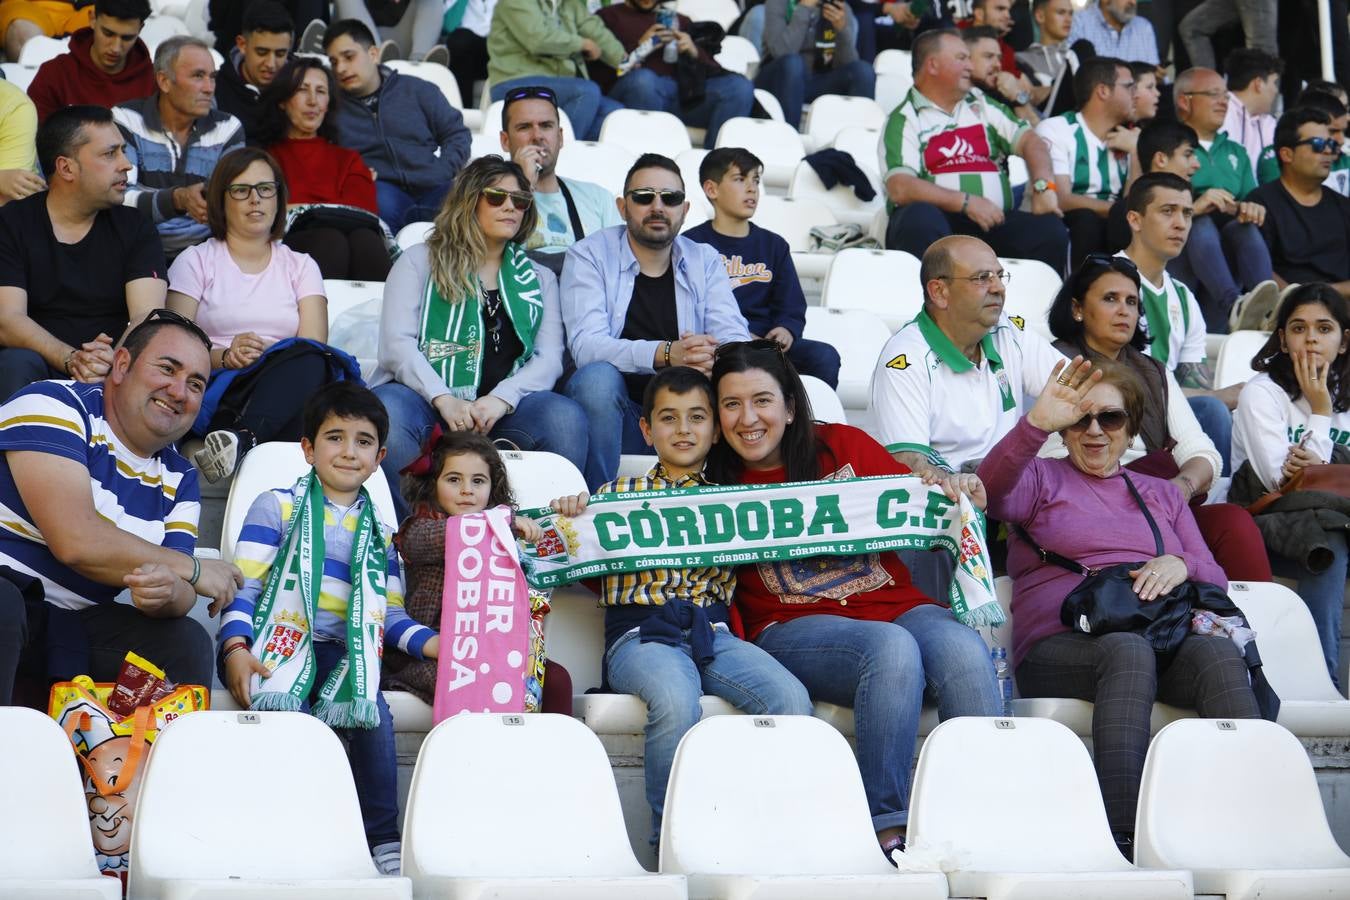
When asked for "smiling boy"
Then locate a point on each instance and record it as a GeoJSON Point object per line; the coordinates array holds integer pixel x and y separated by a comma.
{"type": "Point", "coordinates": [318, 648]}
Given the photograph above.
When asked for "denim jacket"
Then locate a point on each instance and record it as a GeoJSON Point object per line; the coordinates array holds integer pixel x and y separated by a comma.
{"type": "Point", "coordinates": [597, 286]}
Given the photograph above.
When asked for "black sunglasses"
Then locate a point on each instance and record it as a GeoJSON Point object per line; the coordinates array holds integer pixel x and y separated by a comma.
{"type": "Point", "coordinates": [1110, 259]}
{"type": "Point", "coordinates": [521, 200]}
{"type": "Point", "coordinates": [646, 196]}
{"type": "Point", "coordinates": [1321, 145]}
{"type": "Point", "coordinates": [168, 317]}
{"type": "Point", "coordinates": [1109, 419]}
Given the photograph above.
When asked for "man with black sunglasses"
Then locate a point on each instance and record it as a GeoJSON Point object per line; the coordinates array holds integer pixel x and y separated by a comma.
{"type": "Point", "coordinates": [637, 298]}
{"type": "Point", "coordinates": [1307, 226]}
{"type": "Point", "coordinates": [101, 501]}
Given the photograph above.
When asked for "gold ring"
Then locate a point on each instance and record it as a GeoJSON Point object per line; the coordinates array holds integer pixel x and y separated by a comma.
{"type": "Point", "coordinates": [1064, 381]}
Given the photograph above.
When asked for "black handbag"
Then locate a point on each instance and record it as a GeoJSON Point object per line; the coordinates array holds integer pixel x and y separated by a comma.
{"type": "Point", "coordinates": [1105, 602]}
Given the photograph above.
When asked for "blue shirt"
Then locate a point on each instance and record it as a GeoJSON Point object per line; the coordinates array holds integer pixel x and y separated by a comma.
{"type": "Point", "coordinates": [762, 275]}
{"type": "Point", "coordinates": [597, 286]}
{"type": "Point", "coordinates": [155, 499]}
{"type": "Point", "coordinates": [1133, 43]}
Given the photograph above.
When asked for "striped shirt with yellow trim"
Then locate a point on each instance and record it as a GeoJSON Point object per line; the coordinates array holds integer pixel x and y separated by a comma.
{"type": "Point", "coordinates": [966, 150]}
{"type": "Point", "coordinates": [259, 543]}
{"type": "Point", "coordinates": [155, 499]}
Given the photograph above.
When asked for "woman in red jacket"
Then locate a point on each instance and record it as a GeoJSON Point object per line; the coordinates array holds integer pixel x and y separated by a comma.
{"type": "Point", "coordinates": [335, 218]}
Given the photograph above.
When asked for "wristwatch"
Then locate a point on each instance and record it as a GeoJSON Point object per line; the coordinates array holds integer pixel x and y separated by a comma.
{"type": "Point", "coordinates": [1022, 98]}
{"type": "Point", "coordinates": [1040, 186]}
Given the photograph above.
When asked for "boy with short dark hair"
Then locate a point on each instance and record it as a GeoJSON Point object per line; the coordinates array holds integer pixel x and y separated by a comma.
{"type": "Point", "coordinates": [758, 261]}
{"type": "Point", "coordinates": [318, 649]}
{"type": "Point", "coordinates": [667, 638]}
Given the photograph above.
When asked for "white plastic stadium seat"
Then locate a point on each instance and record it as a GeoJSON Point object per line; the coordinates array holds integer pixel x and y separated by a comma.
{"type": "Point", "coordinates": [792, 220]}
{"type": "Point", "coordinates": [276, 464]}
{"type": "Point", "coordinates": [603, 164]}
{"type": "Point", "coordinates": [739, 55]}
{"type": "Point", "coordinates": [825, 402]}
{"type": "Point", "coordinates": [354, 315]}
{"type": "Point", "coordinates": [435, 73]}
{"type": "Point", "coordinates": [21, 76]}
{"type": "Point", "coordinates": [158, 29]}
{"type": "Point", "coordinates": [1310, 705]}
{"type": "Point", "coordinates": [829, 114]}
{"type": "Point", "coordinates": [858, 335]}
{"type": "Point", "coordinates": [492, 124]}
{"type": "Point", "coordinates": [723, 12]}
{"type": "Point", "coordinates": [892, 88]}
{"type": "Point", "coordinates": [641, 131]}
{"type": "Point", "coordinates": [409, 235]}
{"type": "Point", "coordinates": [883, 282]}
{"type": "Point", "coordinates": [481, 764]}
{"type": "Point", "coordinates": [699, 207]}
{"type": "Point", "coordinates": [1030, 293]}
{"type": "Point", "coordinates": [37, 50]}
{"type": "Point", "coordinates": [770, 104]}
{"type": "Point", "coordinates": [1259, 830]}
{"type": "Point", "coordinates": [974, 772]}
{"type": "Point", "coordinates": [45, 845]}
{"type": "Point", "coordinates": [193, 842]}
{"type": "Point", "coordinates": [792, 829]}
{"type": "Point", "coordinates": [861, 144]}
{"type": "Point", "coordinates": [842, 201]}
{"type": "Point", "coordinates": [777, 144]}
{"type": "Point", "coordinates": [891, 61]}
{"type": "Point", "coordinates": [1235, 357]}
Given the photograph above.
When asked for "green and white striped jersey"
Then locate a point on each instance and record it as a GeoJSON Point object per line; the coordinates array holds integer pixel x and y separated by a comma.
{"type": "Point", "coordinates": [964, 151]}
{"type": "Point", "coordinates": [1092, 168]}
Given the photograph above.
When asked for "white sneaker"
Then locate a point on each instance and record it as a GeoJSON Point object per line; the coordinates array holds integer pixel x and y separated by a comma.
{"type": "Point", "coordinates": [1252, 309]}
{"type": "Point", "coordinates": [388, 858]}
{"type": "Point", "coordinates": [218, 456]}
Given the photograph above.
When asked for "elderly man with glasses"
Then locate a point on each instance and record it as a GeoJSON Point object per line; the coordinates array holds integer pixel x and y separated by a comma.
{"type": "Point", "coordinates": [75, 264]}
{"type": "Point", "coordinates": [99, 501]}
{"type": "Point", "coordinates": [636, 298]}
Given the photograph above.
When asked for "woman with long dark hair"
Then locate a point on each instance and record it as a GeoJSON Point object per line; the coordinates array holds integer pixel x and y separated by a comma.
{"type": "Point", "coordinates": [854, 630]}
{"type": "Point", "coordinates": [471, 334]}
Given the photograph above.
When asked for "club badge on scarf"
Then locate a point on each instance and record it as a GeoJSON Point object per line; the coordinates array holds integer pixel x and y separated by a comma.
{"type": "Point", "coordinates": [737, 524]}
{"type": "Point", "coordinates": [486, 625]}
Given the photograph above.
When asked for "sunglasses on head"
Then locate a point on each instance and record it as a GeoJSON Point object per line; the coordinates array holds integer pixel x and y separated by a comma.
{"type": "Point", "coordinates": [1123, 263]}
{"type": "Point", "coordinates": [646, 196]}
{"type": "Point", "coordinates": [168, 317]}
{"type": "Point", "coordinates": [531, 92]}
{"type": "Point", "coordinates": [521, 200]}
{"type": "Point", "coordinates": [1109, 419]}
{"type": "Point", "coordinates": [758, 344]}
{"type": "Point", "coordinates": [1321, 145]}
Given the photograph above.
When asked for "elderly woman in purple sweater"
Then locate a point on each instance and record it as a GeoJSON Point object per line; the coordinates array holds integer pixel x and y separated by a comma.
{"type": "Point", "coordinates": [1086, 508]}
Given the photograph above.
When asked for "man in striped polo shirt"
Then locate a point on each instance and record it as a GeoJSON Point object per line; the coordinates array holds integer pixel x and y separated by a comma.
{"type": "Point", "coordinates": [94, 499]}
{"type": "Point", "coordinates": [944, 153]}
{"type": "Point", "coordinates": [1091, 151]}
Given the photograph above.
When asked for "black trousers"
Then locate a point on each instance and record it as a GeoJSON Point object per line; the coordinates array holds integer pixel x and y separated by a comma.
{"type": "Point", "coordinates": [1119, 674]}
{"type": "Point", "coordinates": [356, 255]}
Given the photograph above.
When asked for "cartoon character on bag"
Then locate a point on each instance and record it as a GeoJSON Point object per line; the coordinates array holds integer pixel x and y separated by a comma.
{"type": "Point", "coordinates": [109, 814]}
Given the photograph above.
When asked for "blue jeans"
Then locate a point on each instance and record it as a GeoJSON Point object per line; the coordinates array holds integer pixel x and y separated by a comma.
{"type": "Point", "coordinates": [1325, 594]}
{"type": "Point", "coordinates": [727, 97]}
{"type": "Point", "coordinates": [787, 79]}
{"type": "Point", "coordinates": [816, 358]}
{"type": "Point", "coordinates": [398, 207]}
{"type": "Point", "coordinates": [1213, 253]}
{"type": "Point", "coordinates": [669, 682]}
{"type": "Point", "coordinates": [20, 367]}
{"type": "Point", "coordinates": [599, 389]}
{"type": "Point", "coordinates": [579, 98]}
{"type": "Point", "coordinates": [371, 751]}
{"type": "Point", "coordinates": [543, 420]}
{"type": "Point", "coordinates": [1217, 422]}
{"type": "Point", "coordinates": [883, 672]}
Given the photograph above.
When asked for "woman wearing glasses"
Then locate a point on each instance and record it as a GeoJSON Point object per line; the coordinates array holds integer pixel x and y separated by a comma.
{"type": "Point", "coordinates": [1096, 315]}
{"type": "Point", "coordinates": [334, 216]}
{"type": "Point", "coordinates": [1087, 509]}
{"type": "Point", "coordinates": [471, 336]}
{"type": "Point", "coordinates": [854, 630]}
{"type": "Point", "coordinates": [263, 306]}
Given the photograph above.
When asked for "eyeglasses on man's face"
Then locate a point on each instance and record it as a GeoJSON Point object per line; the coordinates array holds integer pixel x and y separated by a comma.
{"type": "Point", "coordinates": [982, 279]}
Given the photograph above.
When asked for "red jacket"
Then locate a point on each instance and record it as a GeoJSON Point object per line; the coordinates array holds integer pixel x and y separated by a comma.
{"type": "Point", "coordinates": [72, 78]}
{"type": "Point", "coordinates": [317, 171]}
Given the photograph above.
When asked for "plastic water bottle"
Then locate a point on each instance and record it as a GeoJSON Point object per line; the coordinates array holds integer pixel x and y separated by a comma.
{"type": "Point", "coordinates": [1003, 673]}
{"type": "Point", "coordinates": [668, 19]}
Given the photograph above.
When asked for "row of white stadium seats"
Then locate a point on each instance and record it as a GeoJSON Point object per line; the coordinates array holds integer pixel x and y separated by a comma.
{"type": "Point", "coordinates": [743, 816]}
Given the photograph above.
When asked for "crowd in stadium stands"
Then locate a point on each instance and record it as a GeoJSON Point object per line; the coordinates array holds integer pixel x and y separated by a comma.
{"type": "Point", "coordinates": [166, 227]}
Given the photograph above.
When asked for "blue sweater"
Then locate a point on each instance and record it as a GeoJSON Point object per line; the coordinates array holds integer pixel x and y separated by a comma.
{"type": "Point", "coordinates": [762, 275]}
{"type": "Point", "coordinates": [399, 140]}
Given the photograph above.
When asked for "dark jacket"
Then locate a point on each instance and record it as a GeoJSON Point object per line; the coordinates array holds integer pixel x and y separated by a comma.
{"type": "Point", "coordinates": [73, 79]}
{"type": "Point", "coordinates": [399, 139]}
{"type": "Point", "coordinates": [237, 97]}
{"type": "Point", "coordinates": [1295, 525]}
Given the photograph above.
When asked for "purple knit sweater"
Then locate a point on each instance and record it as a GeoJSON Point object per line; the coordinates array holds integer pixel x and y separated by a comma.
{"type": "Point", "coordinates": [1092, 520]}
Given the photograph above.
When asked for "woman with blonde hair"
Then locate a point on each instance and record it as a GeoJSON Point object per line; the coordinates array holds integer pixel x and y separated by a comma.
{"type": "Point", "coordinates": [471, 336]}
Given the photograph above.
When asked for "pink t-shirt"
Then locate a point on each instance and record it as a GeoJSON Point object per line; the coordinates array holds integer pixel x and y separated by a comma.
{"type": "Point", "coordinates": [230, 302]}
